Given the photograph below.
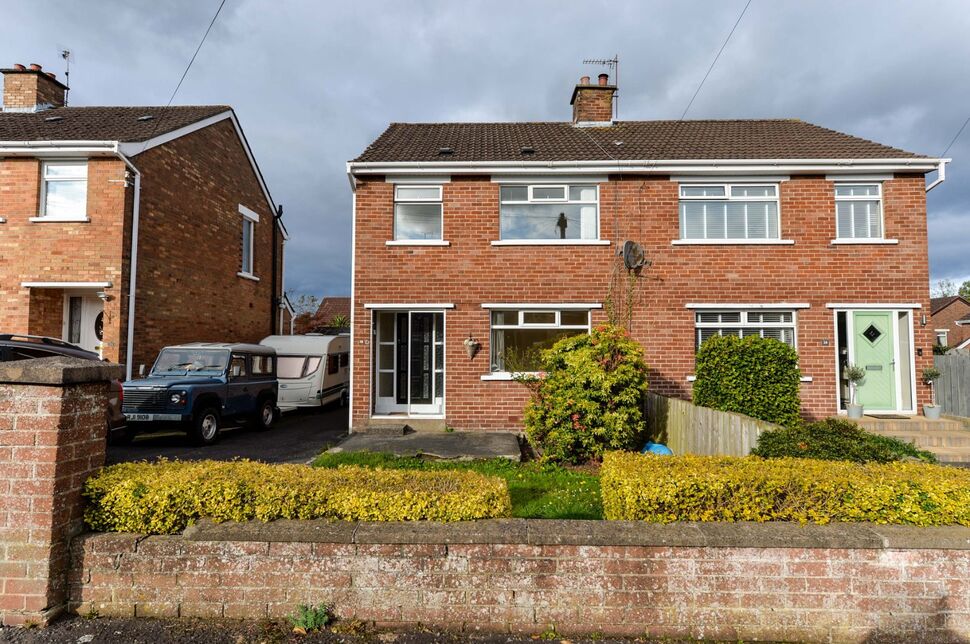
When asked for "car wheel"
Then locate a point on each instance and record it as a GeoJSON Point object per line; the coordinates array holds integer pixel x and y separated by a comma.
{"type": "Point", "coordinates": [265, 415]}
{"type": "Point", "coordinates": [121, 436]}
{"type": "Point", "coordinates": [205, 426]}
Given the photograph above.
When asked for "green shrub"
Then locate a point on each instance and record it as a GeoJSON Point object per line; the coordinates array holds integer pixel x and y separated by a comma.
{"type": "Point", "coordinates": [590, 399]}
{"type": "Point", "coordinates": [165, 497]}
{"type": "Point", "coordinates": [834, 439]}
{"type": "Point", "coordinates": [662, 489]}
{"type": "Point", "coordinates": [310, 619]}
{"type": "Point", "coordinates": [754, 376]}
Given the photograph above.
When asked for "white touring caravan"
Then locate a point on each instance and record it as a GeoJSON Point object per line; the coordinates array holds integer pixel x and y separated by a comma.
{"type": "Point", "coordinates": [312, 369]}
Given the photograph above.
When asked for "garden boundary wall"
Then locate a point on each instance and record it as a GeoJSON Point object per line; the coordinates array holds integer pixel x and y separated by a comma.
{"type": "Point", "coordinates": [787, 582]}
{"type": "Point", "coordinates": [687, 428]}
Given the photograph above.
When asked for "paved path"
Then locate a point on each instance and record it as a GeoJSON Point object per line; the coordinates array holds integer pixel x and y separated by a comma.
{"type": "Point", "coordinates": [460, 445]}
{"type": "Point", "coordinates": [298, 437]}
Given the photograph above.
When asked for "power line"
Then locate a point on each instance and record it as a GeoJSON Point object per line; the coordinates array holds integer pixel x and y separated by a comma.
{"type": "Point", "coordinates": [959, 132]}
{"type": "Point", "coordinates": [714, 62]}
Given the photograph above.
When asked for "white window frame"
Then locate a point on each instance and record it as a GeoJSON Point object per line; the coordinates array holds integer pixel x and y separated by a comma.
{"type": "Point", "coordinates": [882, 213]}
{"type": "Point", "coordinates": [522, 309]}
{"type": "Point", "coordinates": [728, 197]}
{"type": "Point", "coordinates": [440, 241]}
{"type": "Point", "coordinates": [249, 218]}
{"type": "Point", "coordinates": [44, 180]}
{"type": "Point", "coordinates": [502, 241]}
{"type": "Point", "coordinates": [743, 322]}
{"type": "Point", "coordinates": [945, 333]}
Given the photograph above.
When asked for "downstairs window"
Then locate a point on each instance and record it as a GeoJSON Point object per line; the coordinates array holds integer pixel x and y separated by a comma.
{"type": "Point", "coordinates": [519, 336]}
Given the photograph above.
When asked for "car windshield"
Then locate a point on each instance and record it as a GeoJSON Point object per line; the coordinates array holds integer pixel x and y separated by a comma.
{"type": "Point", "coordinates": [190, 360]}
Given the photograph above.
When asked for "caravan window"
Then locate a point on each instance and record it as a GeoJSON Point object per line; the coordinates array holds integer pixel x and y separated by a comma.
{"type": "Point", "coordinates": [290, 366]}
{"type": "Point", "coordinates": [344, 360]}
{"type": "Point", "coordinates": [312, 364]}
{"type": "Point", "coordinates": [333, 364]}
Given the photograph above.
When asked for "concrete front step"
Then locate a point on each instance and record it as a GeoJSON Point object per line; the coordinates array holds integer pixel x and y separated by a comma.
{"type": "Point", "coordinates": [910, 424]}
{"type": "Point", "coordinates": [954, 439]}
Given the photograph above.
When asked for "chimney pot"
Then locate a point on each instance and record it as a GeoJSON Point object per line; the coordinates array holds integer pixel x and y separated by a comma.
{"type": "Point", "coordinates": [34, 67]}
{"type": "Point", "coordinates": [593, 103]}
{"type": "Point", "coordinates": [604, 79]}
{"type": "Point", "coordinates": [31, 89]}
{"type": "Point", "coordinates": [19, 67]}
{"type": "Point", "coordinates": [584, 80]}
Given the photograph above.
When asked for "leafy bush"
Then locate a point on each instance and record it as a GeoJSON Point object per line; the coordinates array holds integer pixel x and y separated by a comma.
{"type": "Point", "coordinates": [309, 619]}
{"type": "Point", "coordinates": [662, 489]}
{"type": "Point", "coordinates": [833, 439]}
{"type": "Point", "coordinates": [590, 399]}
{"type": "Point", "coordinates": [754, 376]}
{"type": "Point", "coordinates": [165, 497]}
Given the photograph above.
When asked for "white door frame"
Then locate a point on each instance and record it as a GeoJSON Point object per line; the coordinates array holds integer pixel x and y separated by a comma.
{"type": "Point", "coordinates": [394, 409]}
{"type": "Point", "coordinates": [89, 297]}
{"type": "Point", "coordinates": [895, 310]}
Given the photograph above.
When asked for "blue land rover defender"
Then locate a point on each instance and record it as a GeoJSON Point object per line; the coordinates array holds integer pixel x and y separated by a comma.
{"type": "Point", "coordinates": [199, 386]}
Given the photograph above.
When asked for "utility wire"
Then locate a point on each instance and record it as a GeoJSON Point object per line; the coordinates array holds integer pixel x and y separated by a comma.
{"type": "Point", "coordinates": [714, 62]}
{"type": "Point", "coordinates": [959, 132]}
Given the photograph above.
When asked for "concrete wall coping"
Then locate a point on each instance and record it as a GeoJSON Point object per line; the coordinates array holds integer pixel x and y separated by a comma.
{"type": "Point", "coordinates": [593, 533]}
{"type": "Point", "coordinates": [58, 370]}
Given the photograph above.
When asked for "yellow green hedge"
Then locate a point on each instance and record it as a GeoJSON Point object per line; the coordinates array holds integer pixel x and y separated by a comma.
{"type": "Point", "coordinates": [662, 489]}
{"type": "Point", "coordinates": [165, 497]}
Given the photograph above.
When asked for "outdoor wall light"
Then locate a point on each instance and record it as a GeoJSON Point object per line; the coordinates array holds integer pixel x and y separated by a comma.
{"type": "Point", "coordinates": [922, 319]}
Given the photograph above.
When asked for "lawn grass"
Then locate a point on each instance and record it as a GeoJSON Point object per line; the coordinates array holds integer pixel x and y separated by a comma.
{"type": "Point", "coordinates": [538, 491]}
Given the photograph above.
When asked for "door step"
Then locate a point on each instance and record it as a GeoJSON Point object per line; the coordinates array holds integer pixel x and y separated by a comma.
{"type": "Point", "coordinates": [390, 428]}
{"type": "Point", "coordinates": [384, 429]}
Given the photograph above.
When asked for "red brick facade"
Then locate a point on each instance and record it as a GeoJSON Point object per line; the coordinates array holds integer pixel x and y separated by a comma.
{"type": "Point", "coordinates": [190, 246]}
{"type": "Point", "coordinates": [470, 271]}
{"type": "Point", "coordinates": [946, 318]}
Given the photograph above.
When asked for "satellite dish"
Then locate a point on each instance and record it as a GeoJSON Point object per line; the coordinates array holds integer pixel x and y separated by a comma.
{"type": "Point", "coordinates": [633, 256]}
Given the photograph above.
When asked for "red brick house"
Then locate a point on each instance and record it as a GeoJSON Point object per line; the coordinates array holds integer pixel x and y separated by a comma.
{"type": "Point", "coordinates": [124, 229]}
{"type": "Point", "coordinates": [508, 234]}
{"type": "Point", "coordinates": [951, 321]}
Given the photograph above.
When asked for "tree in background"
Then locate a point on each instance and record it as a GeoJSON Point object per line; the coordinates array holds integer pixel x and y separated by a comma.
{"type": "Point", "coordinates": [944, 288]}
{"type": "Point", "coordinates": [965, 290]}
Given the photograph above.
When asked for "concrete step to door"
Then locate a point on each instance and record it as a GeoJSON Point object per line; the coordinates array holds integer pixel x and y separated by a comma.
{"type": "Point", "coordinates": [914, 423]}
{"type": "Point", "coordinates": [955, 439]}
{"type": "Point", "coordinates": [951, 455]}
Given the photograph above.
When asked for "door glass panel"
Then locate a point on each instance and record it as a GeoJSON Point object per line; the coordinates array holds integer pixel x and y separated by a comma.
{"type": "Point", "coordinates": [385, 384]}
{"type": "Point", "coordinates": [422, 347]}
{"type": "Point", "coordinates": [401, 374]}
{"type": "Point", "coordinates": [386, 356]}
{"type": "Point", "coordinates": [74, 320]}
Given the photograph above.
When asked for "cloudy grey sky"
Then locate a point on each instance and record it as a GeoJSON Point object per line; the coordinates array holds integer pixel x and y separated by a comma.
{"type": "Point", "coordinates": [313, 82]}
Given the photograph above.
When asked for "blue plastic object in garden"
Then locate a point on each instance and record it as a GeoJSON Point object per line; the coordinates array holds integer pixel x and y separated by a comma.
{"type": "Point", "coordinates": [657, 448]}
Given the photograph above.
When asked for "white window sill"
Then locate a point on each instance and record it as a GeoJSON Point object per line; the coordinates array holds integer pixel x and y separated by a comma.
{"type": "Point", "coordinates": [417, 242]}
{"type": "Point", "coordinates": [802, 379]}
{"type": "Point", "coordinates": [248, 276]}
{"type": "Point", "coordinates": [506, 375]}
{"type": "Point", "coordinates": [551, 242]}
{"type": "Point", "coordinates": [864, 241]}
{"type": "Point", "coordinates": [732, 242]}
{"type": "Point", "coordinates": [60, 220]}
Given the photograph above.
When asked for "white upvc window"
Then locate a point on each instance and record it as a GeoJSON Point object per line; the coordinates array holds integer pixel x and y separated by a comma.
{"type": "Point", "coordinates": [556, 212]}
{"type": "Point", "coordinates": [64, 191]}
{"type": "Point", "coordinates": [779, 325]}
{"type": "Point", "coordinates": [520, 335]}
{"type": "Point", "coordinates": [249, 220]}
{"type": "Point", "coordinates": [942, 337]}
{"type": "Point", "coordinates": [418, 213]}
{"type": "Point", "coordinates": [858, 211]}
{"type": "Point", "coordinates": [725, 211]}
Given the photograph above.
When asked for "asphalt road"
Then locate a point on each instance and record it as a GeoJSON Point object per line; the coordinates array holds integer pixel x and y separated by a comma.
{"type": "Point", "coordinates": [297, 437]}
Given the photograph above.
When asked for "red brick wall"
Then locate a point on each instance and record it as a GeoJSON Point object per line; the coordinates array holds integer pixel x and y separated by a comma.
{"type": "Point", "coordinates": [51, 439]}
{"type": "Point", "coordinates": [593, 105]}
{"type": "Point", "coordinates": [470, 271]}
{"type": "Point", "coordinates": [29, 89]}
{"type": "Point", "coordinates": [90, 251]}
{"type": "Point", "coordinates": [946, 319]}
{"type": "Point", "coordinates": [711, 593]}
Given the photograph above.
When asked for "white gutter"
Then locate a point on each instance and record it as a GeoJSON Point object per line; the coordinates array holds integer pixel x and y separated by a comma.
{"type": "Point", "coordinates": [941, 175]}
{"type": "Point", "coordinates": [133, 265]}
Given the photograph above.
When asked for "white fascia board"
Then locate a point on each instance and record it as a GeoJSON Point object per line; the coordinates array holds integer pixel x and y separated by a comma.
{"type": "Point", "coordinates": [713, 167]}
{"type": "Point", "coordinates": [875, 305]}
{"type": "Point", "coordinates": [756, 306]}
{"type": "Point", "coordinates": [965, 344]}
{"type": "Point", "coordinates": [57, 148]}
{"type": "Point", "coordinates": [408, 307]}
{"type": "Point", "coordinates": [419, 179]}
{"type": "Point", "coordinates": [134, 149]}
{"type": "Point", "coordinates": [859, 177]}
{"type": "Point", "coordinates": [550, 305]}
{"type": "Point", "coordinates": [540, 178]}
{"type": "Point", "coordinates": [65, 284]}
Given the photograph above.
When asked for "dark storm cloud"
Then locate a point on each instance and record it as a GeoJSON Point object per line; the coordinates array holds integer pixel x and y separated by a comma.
{"type": "Point", "coordinates": [314, 82]}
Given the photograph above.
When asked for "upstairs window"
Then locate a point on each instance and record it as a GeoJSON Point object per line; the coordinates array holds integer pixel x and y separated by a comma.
{"type": "Point", "coordinates": [779, 325]}
{"type": "Point", "coordinates": [549, 212]}
{"type": "Point", "coordinates": [64, 190]}
{"type": "Point", "coordinates": [249, 220]}
{"type": "Point", "coordinates": [858, 211]}
{"type": "Point", "coordinates": [729, 212]}
{"type": "Point", "coordinates": [519, 336]}
{"type": "Point", "coordinates": [417, 213]}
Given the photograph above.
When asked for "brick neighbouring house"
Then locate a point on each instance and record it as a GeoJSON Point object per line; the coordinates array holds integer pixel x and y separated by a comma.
{"type": "Point", "coordinates": [77, 184]}
{"type": "Point", "coordinates": [507, 233]}
{"type": "Point", "coordinates": [951, 321]}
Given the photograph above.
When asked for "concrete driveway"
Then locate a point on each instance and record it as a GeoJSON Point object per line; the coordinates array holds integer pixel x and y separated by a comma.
{"type": "Point", "coordinates": [297, 437]}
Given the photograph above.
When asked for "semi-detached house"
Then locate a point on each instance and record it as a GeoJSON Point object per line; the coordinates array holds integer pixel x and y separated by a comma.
{"type": "Point", "coordinates": [124, 229]}
{"type": "Point", "coordinates": [507, 234]}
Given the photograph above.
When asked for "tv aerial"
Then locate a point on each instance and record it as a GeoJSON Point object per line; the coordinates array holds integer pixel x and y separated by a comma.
{"type": "Point", "coordinates": [613, 64]}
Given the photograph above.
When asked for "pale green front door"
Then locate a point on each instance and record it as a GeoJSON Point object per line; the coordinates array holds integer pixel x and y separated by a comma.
{"type": "Point", "coordinates": [874, 349]}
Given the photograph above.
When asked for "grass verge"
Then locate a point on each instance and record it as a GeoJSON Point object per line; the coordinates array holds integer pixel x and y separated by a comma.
{"type": "Point", "coordinates": [538, 491]}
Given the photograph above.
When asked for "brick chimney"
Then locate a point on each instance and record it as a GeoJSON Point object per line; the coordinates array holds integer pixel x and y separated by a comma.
{"type": "Point", "coordinates": [593, 103]}
{"type": "Point", "coordinates": [31, 89]}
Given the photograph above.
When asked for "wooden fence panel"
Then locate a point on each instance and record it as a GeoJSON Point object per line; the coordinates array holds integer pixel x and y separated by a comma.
{"type": "Point", "coordinates": [689, 429]}
{"type": "Point", "coordinates": [953, 388]}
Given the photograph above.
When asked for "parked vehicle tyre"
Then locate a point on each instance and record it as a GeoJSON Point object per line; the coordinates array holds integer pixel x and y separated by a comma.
{"type": "Point", "coordinates": [205, 426]}
{"type": "Point", "coordinates": [121, 436]}
{"type": "Point", "coordinates": [265, 415]}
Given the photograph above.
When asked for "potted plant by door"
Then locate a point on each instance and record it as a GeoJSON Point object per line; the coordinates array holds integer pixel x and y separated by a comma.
{"type": "Point", "coordinates": [854, 374]}
{"type": "Point", "coordinates": [930, 376]}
